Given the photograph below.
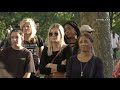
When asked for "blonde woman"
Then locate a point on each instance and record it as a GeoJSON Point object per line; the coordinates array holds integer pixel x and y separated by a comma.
{"type": "Point", "coordinates": [54, 56]}
{"type": "Point", "coordinates": [31, 40]}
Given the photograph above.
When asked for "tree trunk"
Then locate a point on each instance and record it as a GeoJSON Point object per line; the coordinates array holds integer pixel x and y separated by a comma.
{"type": "Point", "coordinates": [102, 37]}
{"type": "Point", "coordinates": [111, 19]}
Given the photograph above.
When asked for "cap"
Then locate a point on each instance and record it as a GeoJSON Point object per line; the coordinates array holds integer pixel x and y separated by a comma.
{"type": "Point", "coordinates": [86, 28]}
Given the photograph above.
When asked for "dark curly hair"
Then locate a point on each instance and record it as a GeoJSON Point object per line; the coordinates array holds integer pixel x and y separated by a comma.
{"type": "Point", "coordinates": [74, 25]}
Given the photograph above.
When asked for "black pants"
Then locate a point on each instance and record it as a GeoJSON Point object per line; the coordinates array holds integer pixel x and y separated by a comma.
{"type": "Point", "coordinates": [114, 53]}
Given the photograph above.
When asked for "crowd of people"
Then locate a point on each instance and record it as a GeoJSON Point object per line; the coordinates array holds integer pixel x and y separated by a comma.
{"type": "Point", "coordinates": [69, 52]}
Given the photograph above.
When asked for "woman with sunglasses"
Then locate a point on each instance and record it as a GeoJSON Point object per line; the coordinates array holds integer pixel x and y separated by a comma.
{"type": "Point", "coordinates": [54, 56]}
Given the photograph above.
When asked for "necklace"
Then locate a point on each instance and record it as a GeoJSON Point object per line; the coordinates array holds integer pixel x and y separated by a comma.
{"type": "Point", "coordinates": [82, 68]}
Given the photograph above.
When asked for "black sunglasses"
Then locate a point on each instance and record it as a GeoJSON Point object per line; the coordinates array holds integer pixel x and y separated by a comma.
{"type": "Point", "coordinates": [51, 34]}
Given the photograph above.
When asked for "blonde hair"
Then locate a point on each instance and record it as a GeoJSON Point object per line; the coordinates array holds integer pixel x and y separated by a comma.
{"type": "Point", "coordinates": [62, 42]}
{"type": "Point", "coordinates": [32, 24]}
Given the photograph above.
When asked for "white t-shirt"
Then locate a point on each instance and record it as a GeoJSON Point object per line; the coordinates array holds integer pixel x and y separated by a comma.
{"type": "Point", "coordinates": [115, 41]}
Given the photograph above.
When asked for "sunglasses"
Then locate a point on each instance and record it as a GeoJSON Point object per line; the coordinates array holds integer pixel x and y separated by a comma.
{"type": "Point", "coordinates": [51, 34]}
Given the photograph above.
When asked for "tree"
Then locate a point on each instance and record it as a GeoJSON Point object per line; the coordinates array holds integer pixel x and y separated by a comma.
{"type": "Point", "coordinates": [111, 20]}
{"type": "Point", "coordinates": [115, 21]}
{"type": "Point", "coordinates": [102, 40]}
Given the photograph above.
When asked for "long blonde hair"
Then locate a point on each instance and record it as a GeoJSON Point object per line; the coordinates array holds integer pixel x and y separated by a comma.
{"type": "Point", "coordinates": [32, 24]}
{"type": "Point", "coordinates": [62, 42]}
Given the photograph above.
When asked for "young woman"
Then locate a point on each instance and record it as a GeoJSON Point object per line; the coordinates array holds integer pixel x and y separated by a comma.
{"type": "Point", "coordinates": [31, 41]}
{"type": "Point", "coordinates": [88, 29]}
{"type": "Point", "coordinates": [85, 64]}
{"type": "Point", "coordinates": [72, 33]}
{"type": "Point", "coordinates": [55, 55]}
{"type": "Point", "coordinates": [18, 60]}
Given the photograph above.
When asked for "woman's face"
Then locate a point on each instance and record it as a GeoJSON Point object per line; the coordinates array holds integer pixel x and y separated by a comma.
{"type": "Point", "coordinates": [16, 39]}
{"type": "Point", "coordinates": [69, 31]}
{"type": "Point", "coordinates": [54, 35]}
{"type": "Point", "coordinates": [27, 28]}
{"type": "Point", "coordinates": [84, 44]}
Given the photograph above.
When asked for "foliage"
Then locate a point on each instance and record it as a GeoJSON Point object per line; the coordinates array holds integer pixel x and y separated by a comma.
{"type": "Point", "coordinates": [45, 18]}
{"type": "Point", "coordinates": [116, 21]}
{"type": "Point", "coordinates": [2, 28]}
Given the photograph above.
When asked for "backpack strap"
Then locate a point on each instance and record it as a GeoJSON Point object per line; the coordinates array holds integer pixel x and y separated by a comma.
{"type": "Point", "coordinates": [37, 40]}
{"type": "Point", "coordinates": [92, 67]}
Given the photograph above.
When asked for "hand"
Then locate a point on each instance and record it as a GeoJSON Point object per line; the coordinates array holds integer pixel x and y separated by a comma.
{"type": "Point", "coordinates": [63, 62]}
{"type": "Point", "coordinates": [48, 65]}
{"type": "Point", "coordinates": [53, 70]}
{"type": "Point", "coordinates": [52, 66]}
{"type": "Point", "coordinates": [37, 74]}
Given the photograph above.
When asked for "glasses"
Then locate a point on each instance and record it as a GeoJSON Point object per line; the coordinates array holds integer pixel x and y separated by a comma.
{"type": "Point", "coordinates": [51, 34]}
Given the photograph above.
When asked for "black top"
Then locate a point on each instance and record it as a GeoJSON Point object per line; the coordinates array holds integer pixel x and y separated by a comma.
{"type": "Point", "coordinates": [45, 59]}
{"type": "Point", "coordinates": [74, 68]}
{"type": "Point", "coordinates": [75, 47]}
{"type": "Point", "coordinates": [33, 45]}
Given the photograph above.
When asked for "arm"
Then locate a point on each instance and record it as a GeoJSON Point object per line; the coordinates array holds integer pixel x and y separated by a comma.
{"type": "Point", "coordinates": [3, 55]}
{"type": "Point", "coordinates": [29, 64]}
{"type": "Point", "coordinates": [40, 46]}
{"type": "Point", "coordinates": [69, 68]}
{"type": "Point", "coordinates": [40, 50]}
{"type": "Point", "coordinates": [43, 62]}
{"type": "Point", "coordinates": [66, 54]}
{"type": "Point", "coordinates": [27, 75]}
{"type": "Point", "coordinates": [3, 70]}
